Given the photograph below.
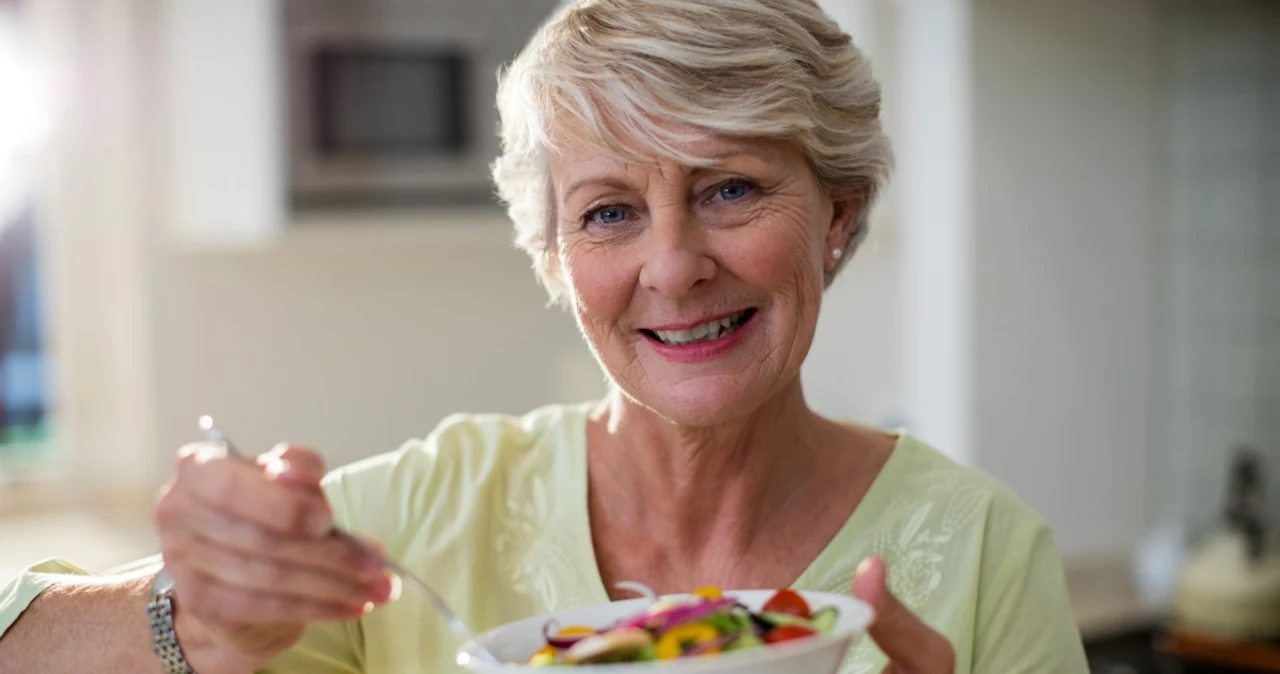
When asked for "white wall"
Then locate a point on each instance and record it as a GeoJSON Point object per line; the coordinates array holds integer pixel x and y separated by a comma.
{"type": "Point", "coordinates": [934, 138]}
{"type": "Point", "coordinates": [854, 370]}
{"type": "Point", "coordinates": [354, 346]}
{"type": "Point", "coordinates": [98, 210]}
{"type": "Point", "coordinates": [1065, 100]}
{"type": "Point", "coordinates": [221, 97]}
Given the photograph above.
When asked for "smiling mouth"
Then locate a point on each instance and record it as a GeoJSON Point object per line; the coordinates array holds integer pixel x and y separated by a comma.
{"type": "Point", "coordinates": [706, 332]}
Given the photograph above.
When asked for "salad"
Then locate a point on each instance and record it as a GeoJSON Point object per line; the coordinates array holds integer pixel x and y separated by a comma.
{"type": "Point", "coordinates": [704, 624]}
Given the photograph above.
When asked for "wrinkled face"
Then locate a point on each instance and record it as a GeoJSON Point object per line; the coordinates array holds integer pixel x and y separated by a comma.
{"type": "Point", "coordinates": [697, 288]}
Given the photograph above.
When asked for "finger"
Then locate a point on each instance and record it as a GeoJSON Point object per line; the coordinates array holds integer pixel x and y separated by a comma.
{"type": "Point", "coordinates": [907, 641]}
{"type": "Point", "coordinates": [301, 466]}
{"type": "Point", "coordinates": [330, 555]}
{"type": "Point", "coordinates": [265, 575]}
{"type": "Point", "coordinates": [240, 488]}
{"type": "Point", "coordinates": [227, 606]}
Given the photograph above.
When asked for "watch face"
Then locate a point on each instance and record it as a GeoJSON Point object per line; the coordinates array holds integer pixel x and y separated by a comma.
{"type": "Point", "coordinates": [162, 583]}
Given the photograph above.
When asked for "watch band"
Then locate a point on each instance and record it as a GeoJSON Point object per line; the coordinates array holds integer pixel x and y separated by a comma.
{"type": "Point", "coordinates": [163, 637]}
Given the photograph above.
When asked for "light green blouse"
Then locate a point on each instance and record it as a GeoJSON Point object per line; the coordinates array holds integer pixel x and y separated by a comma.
{"type": "Point", "coordinates": [492, 510]}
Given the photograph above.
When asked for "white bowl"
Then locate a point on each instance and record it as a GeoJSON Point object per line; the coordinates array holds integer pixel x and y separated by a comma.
{"type": "Point", "coordinates": [821, 654]}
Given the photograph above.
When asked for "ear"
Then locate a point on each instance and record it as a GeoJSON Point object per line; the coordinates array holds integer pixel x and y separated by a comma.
{"type": "Point", "coordinates": [550, 269]}
{"type": "Point", "coordinates": [844, 217]}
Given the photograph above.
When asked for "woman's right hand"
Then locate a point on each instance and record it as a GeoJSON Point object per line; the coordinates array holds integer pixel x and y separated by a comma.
{"type": "Point", "coordinates": [247, 544]}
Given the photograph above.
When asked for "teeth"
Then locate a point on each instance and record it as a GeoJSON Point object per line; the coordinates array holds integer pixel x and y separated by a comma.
{"type": "Point", "coordinates": [706, 332]}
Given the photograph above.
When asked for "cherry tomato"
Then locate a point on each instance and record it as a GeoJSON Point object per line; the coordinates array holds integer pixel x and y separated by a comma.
{"type": "Point", "coordinates": [788, 602]}
{"type": "Point", "coordinates": [787, 633]}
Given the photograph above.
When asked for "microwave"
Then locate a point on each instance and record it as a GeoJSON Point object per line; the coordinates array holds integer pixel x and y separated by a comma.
{"type": "Point", "coordinates": [391, 103]}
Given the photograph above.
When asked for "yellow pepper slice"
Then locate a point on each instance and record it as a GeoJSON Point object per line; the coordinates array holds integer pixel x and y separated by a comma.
{"type": "Point", "coordinates": [710, 593]}
{"type": "Point", "coordinates": [673, 641]}
{"type": "Point", "coordinates": [544, 657]}
{"type": "Point", "coordinates": [574, 630]}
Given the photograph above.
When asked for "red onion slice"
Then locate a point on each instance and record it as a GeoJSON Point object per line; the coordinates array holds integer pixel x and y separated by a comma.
{"type": "Point", "coordinates": [567, 642]}
{"type": "Point", "coordinates": [640, 589]}
{"type": "Point", "coordinates": [677, 615]}
{"type": "Point", "coordinates": [550, 630]}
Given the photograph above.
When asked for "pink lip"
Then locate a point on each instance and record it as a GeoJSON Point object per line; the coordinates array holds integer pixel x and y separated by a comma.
{"type": "Point", "coordinates": [692, 353]}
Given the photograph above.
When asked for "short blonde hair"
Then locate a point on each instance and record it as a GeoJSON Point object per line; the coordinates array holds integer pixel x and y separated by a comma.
{"type": "Point", "coordinates": [627, 76]}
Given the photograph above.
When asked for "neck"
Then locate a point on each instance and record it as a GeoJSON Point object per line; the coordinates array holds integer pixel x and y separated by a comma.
{"type": "Point", "coordinates": [706, 488]}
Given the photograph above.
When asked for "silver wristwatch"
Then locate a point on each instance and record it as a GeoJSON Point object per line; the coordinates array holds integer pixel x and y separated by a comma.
{"type": "Point", "coordinates": [163, 637]}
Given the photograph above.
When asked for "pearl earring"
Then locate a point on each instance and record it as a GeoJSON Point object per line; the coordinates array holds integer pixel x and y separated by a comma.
{"type": "Point", "coordinates": [836, 253]}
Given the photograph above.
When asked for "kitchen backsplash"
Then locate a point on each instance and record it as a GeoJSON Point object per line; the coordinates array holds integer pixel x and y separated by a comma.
{"type": "Point", "coordinates": [1215, 323]}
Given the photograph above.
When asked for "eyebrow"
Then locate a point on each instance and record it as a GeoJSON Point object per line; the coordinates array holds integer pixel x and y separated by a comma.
{"type": "Point", "coordinates": [611, 183]}
{"type": "Point", "coordinates": [621, 184]}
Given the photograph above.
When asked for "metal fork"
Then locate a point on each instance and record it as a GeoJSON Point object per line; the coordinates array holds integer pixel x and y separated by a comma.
{"type": "Point", "coordinates": [213, 434]}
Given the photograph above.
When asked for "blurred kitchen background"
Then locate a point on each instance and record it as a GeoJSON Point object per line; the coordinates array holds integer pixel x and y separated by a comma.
{"type": "Point", "coordinates": [277, 212]}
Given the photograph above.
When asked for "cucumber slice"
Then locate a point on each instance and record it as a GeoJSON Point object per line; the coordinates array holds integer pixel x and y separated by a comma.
{"type": "Point", "coordinates": [825, 619]}
{"type": "Point", "coordinates": [783, 619]}
{"type": "Point", "coordinates": [744, 642]}
{"type": "Point", "coordinates": [724, 623]}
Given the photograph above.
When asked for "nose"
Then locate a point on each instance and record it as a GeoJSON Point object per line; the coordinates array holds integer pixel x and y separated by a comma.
{"type": "Point", "coordinates": [676, 260]}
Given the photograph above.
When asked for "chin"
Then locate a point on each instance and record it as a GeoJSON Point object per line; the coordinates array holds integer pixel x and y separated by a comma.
{"type": "Point", "coordinates": [701, 404]}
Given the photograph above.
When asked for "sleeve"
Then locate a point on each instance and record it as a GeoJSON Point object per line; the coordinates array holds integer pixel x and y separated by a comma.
{"type": "Point", "coordinates": [325, 648]}
{"type": "Point", "coordinates": [1025, 623]}
{"type": "Point", "coordinates": [17, 594]}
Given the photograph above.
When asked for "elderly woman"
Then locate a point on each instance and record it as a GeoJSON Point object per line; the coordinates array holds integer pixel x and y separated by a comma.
{"type": "Point", "coordinates": [688, 177]}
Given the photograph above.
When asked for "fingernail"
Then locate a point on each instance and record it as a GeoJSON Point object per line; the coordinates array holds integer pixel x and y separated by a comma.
{"type": "Point", "coordinates": [867, 581]}
{"type": "Point", "coordinates": [277, 466]}
{"type": "Point", "coordinates": [397, 586]}
{"type": "Point", "coordinates": [386, 589]}
{"type": "Point", "coordinates": [368, 608]}
{"type": "Point", "coordinates": [374, 565]}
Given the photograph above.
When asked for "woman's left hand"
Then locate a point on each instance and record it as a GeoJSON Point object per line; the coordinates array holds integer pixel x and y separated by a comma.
{"type": "Point", "coordinates": [911, 646]}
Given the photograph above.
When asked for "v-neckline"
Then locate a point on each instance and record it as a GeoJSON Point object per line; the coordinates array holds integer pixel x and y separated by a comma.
{"type": "Point", "coordinates": [579, 522]}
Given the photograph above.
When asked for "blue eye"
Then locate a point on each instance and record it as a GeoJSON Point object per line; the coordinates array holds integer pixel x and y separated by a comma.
{"type": "Point", "coordinates": [734, 191]}
{"type": "Point", "coordinates": [610, 215]}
